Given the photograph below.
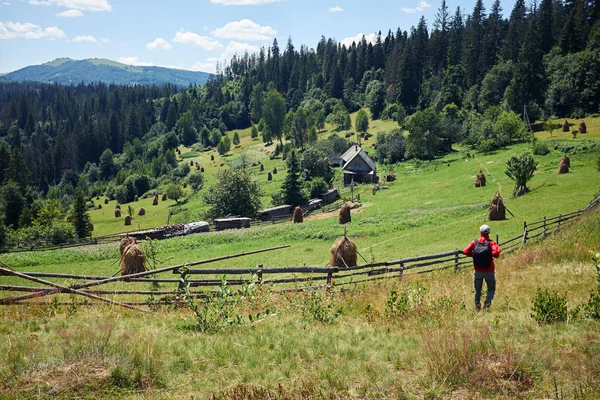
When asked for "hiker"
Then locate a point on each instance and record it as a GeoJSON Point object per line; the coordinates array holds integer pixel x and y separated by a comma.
{"type": "Point", "coordinates": [483, 251]}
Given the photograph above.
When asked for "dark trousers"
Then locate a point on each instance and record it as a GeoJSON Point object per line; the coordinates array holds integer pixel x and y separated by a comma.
{"type": "Point", "coordinates": [490, 281]}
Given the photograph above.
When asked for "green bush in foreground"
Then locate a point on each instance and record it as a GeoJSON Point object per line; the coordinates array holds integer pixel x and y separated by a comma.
{"type": "Point", "coordinates": [549, 307]}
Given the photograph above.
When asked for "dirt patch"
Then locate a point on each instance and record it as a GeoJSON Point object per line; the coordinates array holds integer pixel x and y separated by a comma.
{"type": "Point", "coordinates": [319, 215]}
{"type": "Point", "coordinates": [74, 377]}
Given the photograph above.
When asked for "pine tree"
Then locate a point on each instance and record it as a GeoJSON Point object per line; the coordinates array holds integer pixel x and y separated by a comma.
{"type": "Point", "coordinates": [81, 217]}
{"type": "Point", "coordinates": [291, 188]}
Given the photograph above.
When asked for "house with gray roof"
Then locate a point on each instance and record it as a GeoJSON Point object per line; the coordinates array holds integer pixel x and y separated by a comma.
{"type": "Point", "coordinates": [358, 167]}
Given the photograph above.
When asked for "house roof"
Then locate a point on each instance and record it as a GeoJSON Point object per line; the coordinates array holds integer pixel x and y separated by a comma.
{"type": "Point", "coordinates": [356, 151]}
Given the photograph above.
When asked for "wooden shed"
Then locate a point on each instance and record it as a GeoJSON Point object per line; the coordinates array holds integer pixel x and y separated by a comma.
{"type": "Point", "coordinates": [232, 223]}
{"type": "Point", "coordinates": [279, 212]}
{"type": "Point", "coordinates": [330, 196]}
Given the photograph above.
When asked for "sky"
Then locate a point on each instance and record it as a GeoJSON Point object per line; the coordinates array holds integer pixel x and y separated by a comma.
{"type": "Point", "coordinates": [193, 34]}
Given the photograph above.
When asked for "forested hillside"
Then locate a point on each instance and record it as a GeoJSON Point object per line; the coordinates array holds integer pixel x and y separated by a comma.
{"type": "Point", "coordinates": [66, 72]}
{"type": "Point", "coordinates": [465, 77]}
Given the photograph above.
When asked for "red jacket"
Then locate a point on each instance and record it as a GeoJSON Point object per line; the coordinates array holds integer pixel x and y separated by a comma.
{"type": "Point", "coordinates": [468, 251]}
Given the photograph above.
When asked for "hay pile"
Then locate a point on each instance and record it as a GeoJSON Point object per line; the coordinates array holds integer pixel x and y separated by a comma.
{"type": "Point", "coordinates": [141, 211]}
{"type": "Point", "coordinates": [262, 167]}
{"type": "Point", "coordinates": [164, 196]}
{"type": "Point", "coordinates": [155, 200]}
{"type": "Point", "coordinates": [269, 177]}
{"type": "Point", "coordinates": [117, 213]}
{"type": "Point", "coordinates": [118, 206]}
{"type": "Point", "coordinates": [126, 241]}
{"type": "Point", "coordinates": [582, 127]}
{"type": "Point", "coordinates": [136, 198]}
{"type": "Point", "coordinates": [133, 259]}
{"type": "Point", "coordinates": [497, 211]}
{"type": "Point", "coordinates": [105, 201]}
{"type": "Point", "coordinates": [127, 220]}
{"type": "Point", "coordinates": [564, 166]}
{"type": "Point", "coordinates": [480, 179]}
{"type": "Point", "coordinates": [201, 169]}
{"type": "Point", "coordinates": [565, 126]}
{"type": "Point", "coordinates": [212, 157]}
{"type": "Point", "coordinates": [390, 177]}
{"type": "Point", "coordinates": [191, 163]}
{"type": "Point", "coordinates": [274, 170]}
{"type": "Point", "coordinates": [345, 216]}
{"type": "Point", "coordinates": [298, 217]}
{"type": "Point", "coordinates": [197, 167]}
{"type": "Point", "coordinates": [99, 207]}
{"type": "Point", "coordinates": [343, 253]}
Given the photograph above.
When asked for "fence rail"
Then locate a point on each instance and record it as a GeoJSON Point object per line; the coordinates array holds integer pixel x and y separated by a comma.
{"type": "Point", "coordinates": [288, 278]}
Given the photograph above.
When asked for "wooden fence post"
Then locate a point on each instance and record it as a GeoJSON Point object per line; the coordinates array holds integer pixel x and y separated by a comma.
{"type": "Point", "coordinates": [559, 219]}
{"type": "Point", "coordinates": [329, 277]}
{"type": "Point", "coordinates": [544, 226]}
{"type": "Point", "coordinates": [456, 260]}
{"type": "Point", "coordinates": [260, 273]}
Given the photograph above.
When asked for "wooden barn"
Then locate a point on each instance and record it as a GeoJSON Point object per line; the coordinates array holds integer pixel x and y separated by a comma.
{"type": "Point", "coordinates": [358, 167]}
{"type": "Point", "coordinates": [330, 196]}
{"type": "Point", "coordinates": [232, 223]}
{"type": "Point", "coordinates": [278, 212]}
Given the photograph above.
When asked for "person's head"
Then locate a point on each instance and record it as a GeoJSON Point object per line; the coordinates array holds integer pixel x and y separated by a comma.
{"type": "Point", "coordinates": [484, 229]}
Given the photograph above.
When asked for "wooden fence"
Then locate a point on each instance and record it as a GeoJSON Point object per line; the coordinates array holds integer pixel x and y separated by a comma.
{"type": "Point", "coordinates": [290, 278]}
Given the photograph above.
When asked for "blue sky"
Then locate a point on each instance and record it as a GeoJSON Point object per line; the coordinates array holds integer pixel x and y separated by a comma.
{"type": "Point", "coordinates": [192, 34]}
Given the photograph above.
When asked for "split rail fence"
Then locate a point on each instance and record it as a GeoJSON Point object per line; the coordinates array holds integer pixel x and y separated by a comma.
{"type": "Point", "coordinates": [291, 278]}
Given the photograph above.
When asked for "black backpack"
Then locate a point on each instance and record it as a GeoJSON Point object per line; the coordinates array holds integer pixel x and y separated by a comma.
{"type": "Point", "coordinates": [482, 254]}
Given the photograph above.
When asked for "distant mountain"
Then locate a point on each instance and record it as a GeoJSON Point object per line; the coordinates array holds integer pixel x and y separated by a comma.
{"type": "Point", "coordinates": [67, 71]}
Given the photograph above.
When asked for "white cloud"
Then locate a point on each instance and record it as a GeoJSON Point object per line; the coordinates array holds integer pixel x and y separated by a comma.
{"type": "Point", "coordinates": [6, 3]}
{"type": "Point", "coordinates": [70, 14]}
{"type": "Point", "coordinates": [159, 44]}
{"type": "Point", "coordinates": [205, 28]}
{"type": "Point", "coordinates": [209, 66]}
{"type": "Point", "coordinates": [105, 40]}
{"type": "Point", "coordinates": [238, 48]}
{"type": "Point", "coordinates": [244, 30]}
{"type": "Point", "coordinates": [207, 43]}
{"type": "Point", "coordinates": [82, 5]}
{"type": "Point", "coordinates": [420, 7]}
{"type": "Point", "coordinates": [85, 38]}
{"type": "Point", "coordinates": [13, 30]}
{"type": "Point", "coordinates": [371, 38]}
{"type": "Point", "coordinates": [135, 61]}
{"type": "Point", "coordinates": [336, 9]}
{"type": "Point", "coordinates": [243, 2]}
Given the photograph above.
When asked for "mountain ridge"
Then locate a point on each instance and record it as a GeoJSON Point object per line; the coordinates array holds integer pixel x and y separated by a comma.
{"type": "Point", "coordinates": [67, 71]}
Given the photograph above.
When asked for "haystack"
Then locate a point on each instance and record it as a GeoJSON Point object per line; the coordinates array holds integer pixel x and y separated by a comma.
{"type": "Point", "coordinates": [127, 220]}
{"type": "Point", "coordinates": [155, 200]}
{"type": "Point", "coordinates": [582, 127]}
{"type": "Point", "coordinates": [274, 170]}
{"type": "Point", "coordinates": [564, 166]}
{"type": "Point", "coordinates": [126, 241]}
{"type": "Point", "coordinates": [390, 177]}
{"type": "Point", "coordinates": [343, 253]}
{"type": "Point", "coordinates": [117, 213]}
{"type": "Point", "coordinates": [269, 177]}
{"type": "Point", "coordinates": [117, 206]}
{"type": "Point", "coordinates": [136, 198]}
{"type": "Point", "coordinates": [262, 167]}
{"type": "Point", "coordinates": [565, 126]}
{"type": "Point", "coordinates": [201, 169]}
{"type": "Point", "coordinates": [197, 167]}
{"type": "Point", "coordinates": [99, 207]}
{"type": "Point", "coordinates": [141, 211]}
{"type": "Point", "coordinates": [105, 201]}
{"type": "Point", "coordinates": [298, 217]}
{"type": "Point", "coordinates": [133, 260]}
{"type": "Point", "coordinates": [497, 211]}
{"type": "Point", "coordinates": [164, 197]}
{"type": "Point", "coordinates": [480, 179]}
{"type": "Point", "coordinates": [191, 163]}
{"type": "Point", "coordinates": [345, 216]}
{"type": "Point", "coordinates": [212, 157]}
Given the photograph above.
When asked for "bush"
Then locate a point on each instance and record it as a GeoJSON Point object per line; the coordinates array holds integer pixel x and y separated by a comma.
{"type": "Point", "coordinates": [549, 307]}
{"type": "Point", "coordinates": [59, 232]}
{"type": "Point", "coordinates": [540, 149]}
{"type": "Point", "coordinates": [316, 187]}
{"type": "Point", "coordinates": [318, 306]}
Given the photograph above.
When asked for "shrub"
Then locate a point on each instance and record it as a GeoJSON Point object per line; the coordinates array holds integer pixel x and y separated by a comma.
{"type": "Point", "coordinates": [549, 307]}
{"type": "Point", "coordinates": [397, 304]}
{"type": "Point", "coordinates": [316, 187]}
{"type": "Point", "coordinates": [540, 149]}
{"type": "Point", "coordinates": [318, 306]}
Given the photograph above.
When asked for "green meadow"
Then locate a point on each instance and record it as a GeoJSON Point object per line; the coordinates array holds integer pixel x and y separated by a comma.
{"type": "Point", "coordinates": [414, 338]}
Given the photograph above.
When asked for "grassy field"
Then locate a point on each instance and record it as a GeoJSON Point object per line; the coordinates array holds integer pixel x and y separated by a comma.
{"type": "Point", "coordinates": [341, 344]}
{"type": "Point", "coordinates": [360, 342]}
